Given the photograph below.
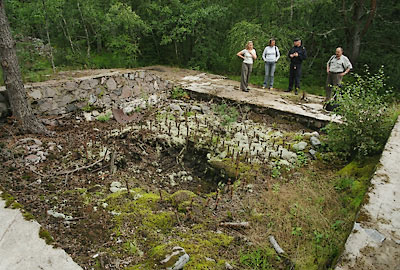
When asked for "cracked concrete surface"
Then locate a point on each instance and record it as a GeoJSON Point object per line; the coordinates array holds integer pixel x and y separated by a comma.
{"type": "Point", "coordinates": [21, 248]}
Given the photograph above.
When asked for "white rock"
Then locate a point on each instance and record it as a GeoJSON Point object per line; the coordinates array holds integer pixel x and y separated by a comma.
{"type": "Point", "coordinates": [175, 107]}
{"type": "Point", "coordinates": [88, 116]}
{"type": "Point", "coordinates": [55, 214]}
{"type": "Point", "coordinates": [92, 99]}
{"type": "Point", "coordinates": [300, 146]}
{"type": "Point", "coordinates": [284, 162]}
{"type": "Point", "coordinates": [178, 255]}
{"type": "Point", "coordinates": [111, 84]}
{"type": "Point", "coordinates": [153, 100]}
{"type": "Point", "coordinates": [32, 159]}
{"type": "Point", "coordinates": [315, 134]}
{"type": "Point", "coordinates": [315, 141]}
{"type": "Point", "coordinates": [35, 94]}
{"type": "Point", "coordinates": [95, 113]}
{"type": "Point", "coordinates": [228, 266]}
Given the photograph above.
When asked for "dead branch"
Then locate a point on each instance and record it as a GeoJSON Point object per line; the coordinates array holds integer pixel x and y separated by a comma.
{"type": "Point", "coordinates": [235, 225]}
{"type": "Point", "coordinates": [275, 245]}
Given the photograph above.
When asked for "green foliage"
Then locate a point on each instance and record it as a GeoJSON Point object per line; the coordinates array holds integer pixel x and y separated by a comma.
{"type": "Point", "coordinates": [365, 116]}
{"type": "Point", "coordinates": [179, 93]}
{"type": "Point", "coordinates": [302, 159]}
{"type": "Point", "coordinates": [104, 117]}
{"type": "Point", "coordinates": [227, 113]}
{"type": "Point", "coordinates": [88, 108]}
{"type": "Point", "coordinates": [276, 170]}
{"type": "Point", "coordinates": [297, 231]}
{"type": "Point", "coordinates": [259, 259]}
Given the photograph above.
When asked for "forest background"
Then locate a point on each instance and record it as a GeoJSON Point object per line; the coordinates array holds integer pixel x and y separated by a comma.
{"type": "Point", "coordinates": [55, 35]}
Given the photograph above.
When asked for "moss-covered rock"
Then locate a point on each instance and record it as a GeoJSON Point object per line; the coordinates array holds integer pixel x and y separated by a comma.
{"type": "Point", "coordinates": [182, 196]}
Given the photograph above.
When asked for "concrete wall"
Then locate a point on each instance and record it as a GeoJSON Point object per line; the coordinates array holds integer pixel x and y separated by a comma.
{"type": "Point", "coordinates": [374, 242]}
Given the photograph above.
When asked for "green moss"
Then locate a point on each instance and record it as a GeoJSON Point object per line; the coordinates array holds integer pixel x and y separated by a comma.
{"type": "Point", "coordinates": [360, 169]}
{"type": "Point", "coordinates": [16, 205]}
{"type": "Point", "coordinates": [28, 216]}
{"type": "Point", "coordinates": [44, 234]}
{"type": "Point", "coordinates": [159, 221]}
{"type": "Point", "coordinates": [354, 180]}
{"type": "Point", "coordinates": [182, 196]}
{"type": "Point", "coordinates": [8, 199]}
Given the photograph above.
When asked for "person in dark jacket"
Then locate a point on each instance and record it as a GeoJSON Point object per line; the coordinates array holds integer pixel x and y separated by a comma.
{"type": "Point", "coordinates": [296, 55]}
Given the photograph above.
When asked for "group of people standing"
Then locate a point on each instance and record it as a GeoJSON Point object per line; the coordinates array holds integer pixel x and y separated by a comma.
{"type": "Point", "coordinates": [337, 66]}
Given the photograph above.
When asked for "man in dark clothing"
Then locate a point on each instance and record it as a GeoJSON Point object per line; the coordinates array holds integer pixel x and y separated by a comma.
{"type": "Point", "coordinates": [296, 55]}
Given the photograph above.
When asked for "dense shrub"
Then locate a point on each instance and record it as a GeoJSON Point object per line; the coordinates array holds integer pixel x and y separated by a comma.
{"type": "Point", "coordinates": [365, 114]}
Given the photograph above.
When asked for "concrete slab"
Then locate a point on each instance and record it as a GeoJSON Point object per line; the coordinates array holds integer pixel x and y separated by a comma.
{"type": "Point", "coordinates": [374, 243]}
{"type": "Point", "coordinates": [21, 248]}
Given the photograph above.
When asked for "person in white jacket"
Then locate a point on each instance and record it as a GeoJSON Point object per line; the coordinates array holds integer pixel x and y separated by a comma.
{"type": "Point", "coordinates": [270, 56]}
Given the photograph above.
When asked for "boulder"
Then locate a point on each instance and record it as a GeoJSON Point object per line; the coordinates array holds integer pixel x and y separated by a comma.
{"type": "Point", "coordinates": [111, 84]}
{"type": "Point", "coordinates": [126, 92]}
{"type": "Point", "coordinates": [88, 84]}
{"type": "Point", "coordinates": [315, 141]}
{"type": "Point", "coordinates": [300, 146]}
{"type": "Point", "coordinates": [35, 94]}
{"type": "Point", "coordinates": [49, 92]}
{"type": "Point", "coordinates": [70, 86]}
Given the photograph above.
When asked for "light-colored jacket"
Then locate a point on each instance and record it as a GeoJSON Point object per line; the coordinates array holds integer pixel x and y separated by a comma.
{"type": "Point", "coordinates": [271, 54]}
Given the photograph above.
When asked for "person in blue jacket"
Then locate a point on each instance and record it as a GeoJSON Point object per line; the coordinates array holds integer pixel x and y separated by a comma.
{"type": "Point", "coordinates": [296, 55]}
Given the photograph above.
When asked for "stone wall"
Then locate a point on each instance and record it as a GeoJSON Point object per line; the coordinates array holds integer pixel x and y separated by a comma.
{"type": "Point", "coordinates": [103, 91]}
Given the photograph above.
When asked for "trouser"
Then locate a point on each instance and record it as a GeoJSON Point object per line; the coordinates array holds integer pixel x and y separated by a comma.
{"type": "Point", "coordinates": [244, 80]}
{"type": "Point", "coordinates": [332, 80]}
{"type": "Point", "coordinates": [294, 76]}
{"type": "Point", "coordinates": [269, 73]}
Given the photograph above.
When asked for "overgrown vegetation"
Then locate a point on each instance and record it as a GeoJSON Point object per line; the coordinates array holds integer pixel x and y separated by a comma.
{"type": "Point", "coordinates": [200, 35]}
{"type": "Point", "coordinates": [366, 115]}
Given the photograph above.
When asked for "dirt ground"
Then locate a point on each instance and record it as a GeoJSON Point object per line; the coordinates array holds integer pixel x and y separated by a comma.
{"type": "Point", "coordinates": [69, 194]}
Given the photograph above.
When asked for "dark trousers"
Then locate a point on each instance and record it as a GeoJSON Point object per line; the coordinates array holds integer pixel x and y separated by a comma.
{"type": "Point", "coordinates": [294, 76]}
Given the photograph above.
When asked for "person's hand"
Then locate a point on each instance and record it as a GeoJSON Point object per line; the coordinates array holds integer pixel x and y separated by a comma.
{"type": "Point", "coordinates": [342, 74]}
{"type": "Point", "coordinates": [291, 55]}
{"type": "Point", "coordinates": [296, 54]}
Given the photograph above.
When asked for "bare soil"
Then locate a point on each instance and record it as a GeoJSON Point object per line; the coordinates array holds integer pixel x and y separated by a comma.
{"type": "Point", "coordinates": [299, 206]}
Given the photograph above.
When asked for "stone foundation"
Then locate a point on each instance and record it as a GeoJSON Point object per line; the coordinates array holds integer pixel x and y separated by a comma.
{"type": "Point", "coordinates": [103, 91]}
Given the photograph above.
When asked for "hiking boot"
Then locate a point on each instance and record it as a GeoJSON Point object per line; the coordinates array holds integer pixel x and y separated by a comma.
{"type": "Point", "coordinates": [288, 90]}
{"type": "Point", "coordinates": [246, 90]}
{"type": "Point", "coordinates": [296, 91]}
{"type": "Point", "coordinates": [263, 87]}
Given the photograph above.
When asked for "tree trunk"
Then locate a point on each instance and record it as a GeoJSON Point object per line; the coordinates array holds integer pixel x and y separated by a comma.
{"type": "Point", "coordinates": [358, 24]}
{"type": "Point", "coordinates": [48, 36]}
{"type": "Point", "coordinates": [86, 31]}
{"type": "Point", "coordinates": [66, 33]}
{"type": "Point", "coordinates": [12, 78]}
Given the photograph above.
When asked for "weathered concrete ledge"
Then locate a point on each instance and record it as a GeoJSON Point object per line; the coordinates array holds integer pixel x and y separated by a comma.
{"type": "Point", "coordinates": [22, 249]}
{"type": "Point", "coordinates": [308, 112]}
{"type": "Point", "coordinates": [374, 243]}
